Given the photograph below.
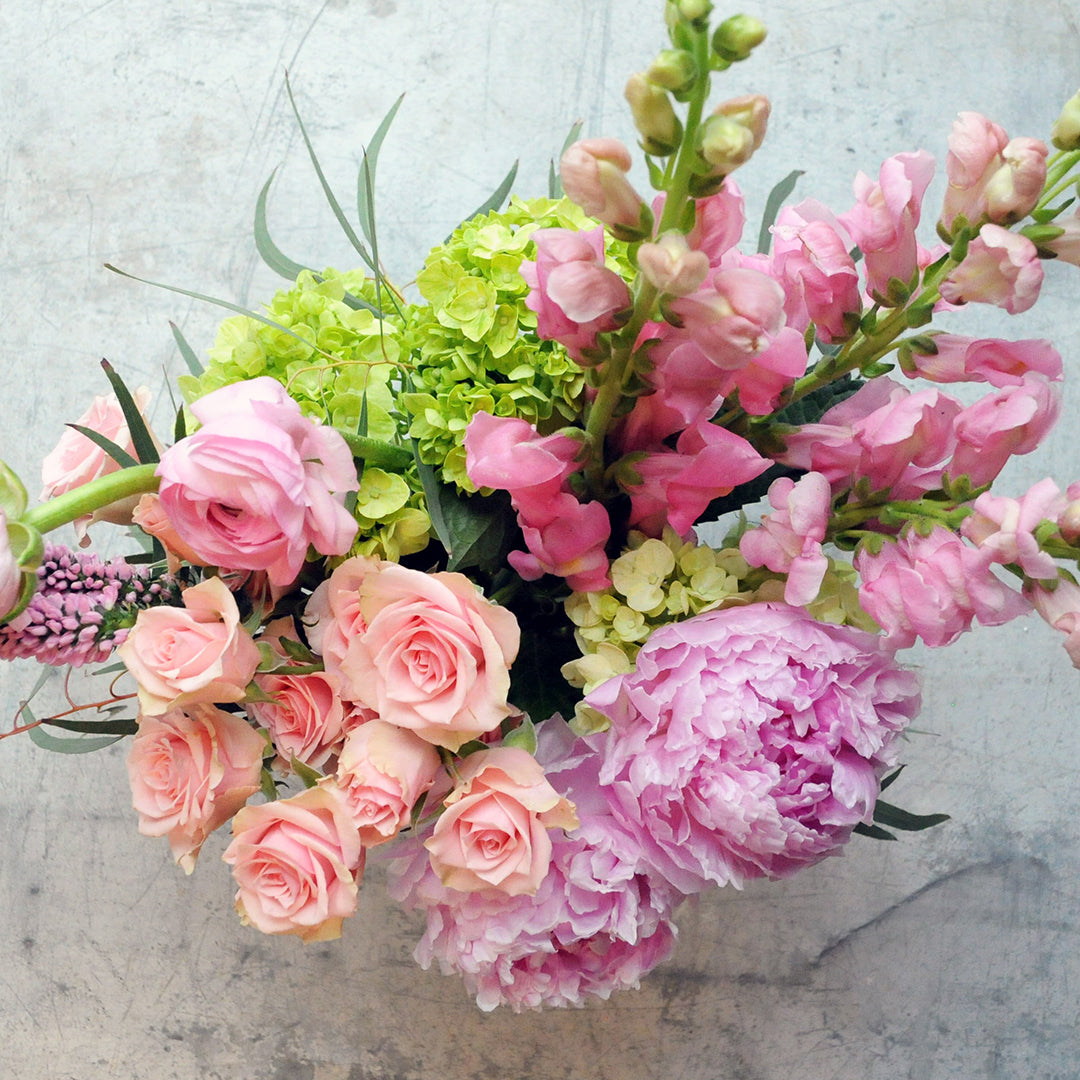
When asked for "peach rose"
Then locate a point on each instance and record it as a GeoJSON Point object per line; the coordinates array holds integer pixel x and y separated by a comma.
{"type": "Point", "coordinates": [152, 519]}
{"type": "Point", "coordinates": [426, 652]}
{"type": "Point", "coordinates": [306, 720]}
{"type": "Point", "coordinates": [381, 772]}
{"type": "Point", "coordinates": [200, 652]}
{"type": "Point", "coordinates": [493, 833]}
{"type": "Point", "coordinates": [298, 863]}
{"type": "Point", "coordinates": [190, 771]}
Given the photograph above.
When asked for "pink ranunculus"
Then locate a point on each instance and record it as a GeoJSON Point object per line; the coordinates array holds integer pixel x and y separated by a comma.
{"type": "Point", "coordinates": [306, 719]}
{"type": "Point", "coordinates": [297, 862]}
{"type": "Point", "coordinates": [1004, 528]}
{"type": "Point", "coordinates": [1059, 605]}
{"type": "Point", "coordinates": [1000, 268]}
{"type": "Point", "coordinates": [493, 833]}
{"type": "Point", "coordinates": [574, 295]}
{"type": "Point", "coordinates": [426, 652]}
{"type": "Point", "coordinates": [975, 155]}
{"type": "Point", "coordinates": [11, 578]}
{"type": "Point", "coordinates": [190, 771]}
{"type": "Point", "coordinates": [992, 360]}
{"type": "Point", "coordinates": [885, 216]}
{"type": "Point", "coordinates": [1012, 420]}
{"type": "Point", "coordinates": [677, 485]}
{"type": "Point", "coordinates": [734, 316]}
{"type": "Point", "coordinates": [381, 773]}
{"type": "Point", "coordinates": [76, 460]}
{"type": "Point", "coordinates": [593, 174]}
{"type": "Point", "coordinates": [789, 541]}
{"type": "Point", "coordinates": [932, 587]}
{"type": "Point", "coordinates": [259, 482]}
{"type": "Point", "coordinates": [151, 518]}
{"type": "Point", "coordinates": [749, 742]}
{"type": "Point", "coordinates": [197, 653]}
{"type": "Point", "coordinates": [569, 542]}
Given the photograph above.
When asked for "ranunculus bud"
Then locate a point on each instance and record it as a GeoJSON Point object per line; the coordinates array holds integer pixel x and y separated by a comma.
{"type": "Point", "coordinates": [674, 70]}
{"type": "Point", "coordinates": [654, 117]}
{"type": "Point", "coordinates": [672, 266]}
{"type": "Point", "coordinates": [736, 38]}
{"type": "Point", "coordinates": [1065, 134]}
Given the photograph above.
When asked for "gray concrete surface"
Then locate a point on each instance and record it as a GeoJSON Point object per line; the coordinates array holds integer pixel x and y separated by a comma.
{"type": "Point", "coordinates": [139, 133]}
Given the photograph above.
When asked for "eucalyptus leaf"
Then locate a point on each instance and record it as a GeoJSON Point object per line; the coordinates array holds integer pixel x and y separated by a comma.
{"type": "Point", "coordinates": [186, 351]}
{"type": "Point", "coordinates": [114, 450]}
{"type": "Point", "coordinates": [123, 726]}
{"type": "Point", "coordinates": [555, 188]}
{"type": "Point", "coordinates": [772, 207]}
{"type": "Point", "coordinates": [875, 832]}
{"type": "Point", "coordinates": [495, 200]}
{"type": "Point", "coordinates": [76, 745]}
{"type": "Point", "coordinates": [271, 254]}
{"type": "Point", "coordinates": [887, 814]}
{"type": "Point", "coordinates": [366, 179]}
{"type": "Point", "coordinates": [141, 438]}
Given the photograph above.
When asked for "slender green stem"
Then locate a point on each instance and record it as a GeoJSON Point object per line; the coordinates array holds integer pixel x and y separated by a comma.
{"type": "Point", "coordinates": [92, 496]}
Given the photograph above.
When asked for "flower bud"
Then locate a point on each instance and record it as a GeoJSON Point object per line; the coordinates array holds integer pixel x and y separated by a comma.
{"type": "Point", "coordinates": [593, 175]}
{"type": "Point", "coordinates": [750, 110]}
{"type": "Point", "coordinates": [654, 117]}
{"type": "Point", "coordinates": [1014, 189]}
{"type": "Point", "coordinates": [1065, 134]}
{"type": "Point", "coordinates": [736, 38]}
{"type": "Point", "coordinates": [1068, 521]}
{"type": "Point", "coordinates": [672, 266]}
{"type": "Point", "coordinates": [726, 144]}
{"type": "Point", "coordinates": [674, 70]}
{"type": "Point", "coordinates": [691, 11]}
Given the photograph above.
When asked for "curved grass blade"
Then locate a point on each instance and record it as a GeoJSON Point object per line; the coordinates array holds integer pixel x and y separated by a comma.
{"type": "Point", "coordinates": [124, 726]}
{"type": "Point", "coordinates": [271, 254]}
{"type": "Point", "coordinates": [186, 351]}
{"type": "Point", "coordinates": [115, 451]}
{"type": "Point", "coordinates": [495, 200]}
{"type": "Point", "coordinates": [141, 439]}
{"type": "Point", "coordinates": [366, 178]}
{"type": "Point", "coordinates": [772, 208]}
{"type": "Point", "coordinates": [555, 188]}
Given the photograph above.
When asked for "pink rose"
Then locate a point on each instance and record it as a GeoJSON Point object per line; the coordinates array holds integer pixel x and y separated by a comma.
{"type": "Point", "coordinates": [297, 862]}
{"type": "Point", "coordinates": [493, 833]}
{"type": "Point", "coordinates": [426, 652]}
{"type": "Point", "coordinates": [190, 771]}
{"type": "Point", "coordinates": [180, 656]}
{"type": "Point", "coordinates": [306, 720]}
{"type": "Point", "coordinates": [258, 483]}
{"type": "Point", "coordinates": [1001, 268]}
{"type": "Point", "coordinates": [382, 772]}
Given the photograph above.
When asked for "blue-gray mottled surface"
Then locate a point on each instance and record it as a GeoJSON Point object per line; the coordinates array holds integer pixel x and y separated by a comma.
{"type": "Point", "coordinates": [139, 133]}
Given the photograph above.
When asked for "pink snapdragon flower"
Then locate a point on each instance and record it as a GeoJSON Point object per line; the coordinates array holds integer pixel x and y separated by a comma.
{"type": "Point", "coordinates": [932, 587]}
{"type": "Point", "coordinates": [1059, 606]}
{"type": "Point", "coordinates": [1067, 246]}
{"type": "Point", "coordinates": [574, 295]}
{"type": "Point", "coordinates": [1000, 268]}
{"type": "Point", "coordinates": [1003, 528]}
{"type": "Point", "coordinates": [568, 542]}
{"type": "Point", "coordinates": [1000, 363]}
{"type": "Point", "coordinates": [593, 174]}
{"type": "Point", "coordinates": [672, 266]}
{"type": "Point", "coordinates": [718, 221]}
{"type": "Point", "coordinates": [789, 541]}
{"type": "Point", "coordinates": [885, 216]}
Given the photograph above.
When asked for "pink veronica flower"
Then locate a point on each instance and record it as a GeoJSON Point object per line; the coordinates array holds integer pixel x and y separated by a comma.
{"type": "Point", "coordinates": [789, 541]}
{"type": "Point", "coordinates": [1059, 606]}
{"type": "Point", "coordinates": [1000, 268]}
{"type": "Point", "coordinates": [1000, 363]}
{"type": "Point", "coordinates": [569, 544]}
{"type": "Point", "coordinates": [1003, 528]}
{"type": "Point", "coordinates": [932, 587]}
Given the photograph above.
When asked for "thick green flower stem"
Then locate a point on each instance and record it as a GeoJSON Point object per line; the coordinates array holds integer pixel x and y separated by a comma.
{"type": "Point", "coordinates": [65, 508]}
{"type": "Point", "coordinates": [1057, 178]}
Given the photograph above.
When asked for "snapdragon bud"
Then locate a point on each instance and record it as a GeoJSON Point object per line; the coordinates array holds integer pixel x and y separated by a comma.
{"type": "Point", "coordinates": [736, 38]}
{"type": "Point", "coordinates": [1013, 191]}
{"type": "Point", "coordinates": [674, 70]}
{"type": "Point", "coordinates": [691, 11]}
{"type": "Point", "coordinates": [654, 116]}
{"type": "Point", "coordinates": [1065, 134]}
{"type": "Point", "coordinates": [734, 131]}
{"type": "Point", "coordinates": [672, 266]}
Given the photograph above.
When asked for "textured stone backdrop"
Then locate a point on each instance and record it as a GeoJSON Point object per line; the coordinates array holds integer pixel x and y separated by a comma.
{"type": "Point", "coordinates": [139, 133]}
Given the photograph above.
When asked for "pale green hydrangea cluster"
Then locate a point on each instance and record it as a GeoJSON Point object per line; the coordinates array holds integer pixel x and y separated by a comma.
{"type": "Point", "coordinates": [473, 343]}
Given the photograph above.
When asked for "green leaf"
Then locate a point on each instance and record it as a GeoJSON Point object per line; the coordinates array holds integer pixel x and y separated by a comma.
{"type": "Point", "coordinates": [887, 814]}
{"type": "Point", "coordinates": [889, 780]}
{"type": "Point", "coordinates": [342, 220]}
{"type": "Point", "coordinates": [13, 497]}
{"type": "Point", "coordinates": [431, 487]}
{"type": "Point", "coordinates": [523, 736]}
{"type": "Point", "coordinates": [375, 452]}
{"type": "Point", "coordinates": [267, 785]}
{"type": "Point", "coordinates": [873, 831]}
{"type": "Point", "coordinates": [186, 351]}
{"type": "Point", "coordinates": [270, 252]}
{"type": "Point", "coordinates": [555, 188]}
{"type": "Point", "coordinates": [772, 207]}
{"type": "Point", "coordinates": [495, 200]}
{"type": "Point", "coordinates": [77, 745]}
{"type": "Point", "coordinates": [366, 179]}
{"type": "Point", "coordinates": [115, 451]}
{"type": "Point", "coordinates": [478, 527]}
{"type": "Point", "coordinates": [305, 772]}
{"type": "Point", "coordinates": [123, 726]}
{"type": "Point", "coordinates": [141, 439]}
{"type": "Point", "coordinates": [536, 685]}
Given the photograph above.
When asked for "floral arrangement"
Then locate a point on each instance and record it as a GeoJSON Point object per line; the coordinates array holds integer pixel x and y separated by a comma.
{"type": "Point", "coordinates": [580, 576]}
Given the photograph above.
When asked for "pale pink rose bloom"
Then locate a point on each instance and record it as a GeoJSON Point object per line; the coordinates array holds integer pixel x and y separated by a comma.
{"type": "Point", "coordinates": [672, 266]}
{"type": "Point", "coordinates": [76, 460]}
{"type": "Point", "coordinates": [810, 258]}
{"type": "Point", "coordinates": [259, 483]}
{"type": "Point", "coordinates": [493, 833]}
{"type": "Point", "coordinates": [593, 174]}
{"type": "Point", "coordinates": [307, 718]}
{"type": "Point", "coordinates": [677, 485]}
{"type": "Point", "coordinates": [1060, 607]}
{"type": "Point", "coordinates": [1000, 268]}
{"type": "Point", "coordinates": [932, 587]}
{"type": "Point", "coordinates": [975, 155]}
{"type": "Point", "coordinates": [190, 771]}
{"type": "Point", "coordinates": [789, 541]}
{"type": "Point", "coordinates": [332, 615]}
{"type": "Point", "coordinates": [574, 295]}
{"type": "Point", "coordinates": [1012, 420]}
{"type": "Point", "coordinates": [297, 862]}
{"type": "Point", "coordinates": [569, 542]}
{"type": "Point", "coordinates": [381, 773]}
{"type": "Point", "coordinates": [10, 574]}
{"type": "Point", "coordinates": [992, 360]}
{"type": "Point", "coordinates": [885, 215]}
{"type": "Point", "coordinates": [153, 521]}
{"type": "Point", "coordinates": [197, 653]}
{"type": "Point", "coordinates": [1003, 528]}
{"type": "Point", "coordinates": [430, 653]}
{"type": "Point", "coordinates": [734, 316]}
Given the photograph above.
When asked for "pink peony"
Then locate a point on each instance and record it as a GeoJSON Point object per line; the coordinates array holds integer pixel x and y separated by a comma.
{"type": "Point", "coordinates": [297, 863]}
{"type": "Point", "coordinates": [1001, 268]}
{"type": "Point", "coordinates": [932, 587]}
{"type": "Point", "coordinates": [568, 542]}
{"type": "Point", "coordinates": [593, 174]}
{"type": "Point", "coordinates": [258, 483]}
{"type": "Point", "coordinates": [750, 741]}
{"type": "Point", "coordinates": [381, 773]}
{"type": "Point", "coordinates": [190, 771]}
{"type": "Point", "coordinates": [1000, 363]}
{"type": "Point", "coordinates": [1004, 528]}
{"type": "Point", "coordinates": [198, 653]}
{"type": "Point", "coordinates": [307, 719]}
{"type": "Point", "coordinates": [493, 833]}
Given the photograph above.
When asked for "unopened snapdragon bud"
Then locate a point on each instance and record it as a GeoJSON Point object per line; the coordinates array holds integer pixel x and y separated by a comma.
{"type": "Point", "coordinates": [593, 175]}
{"type": "Point", "coordinates": [736, 38]}
{"type": "Point", "coordinates": [734, 131]}
{"type": "Point", "coordinates": [1065, 134]}
{"type": "Point", "coordinates": [673, 69]}
{"type": "Point", "coordinates": [654, 116]}
{"type": "Point", "coordinates": [672, 266]}
{"type": "Point", "coordinates": [1014, 189]}
{"type": "Point", "coordinates": [691, 11]}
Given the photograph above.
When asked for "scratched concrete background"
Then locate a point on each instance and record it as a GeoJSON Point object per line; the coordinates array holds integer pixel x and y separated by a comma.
{"type": "Point", "coordinates": [139, 133]}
